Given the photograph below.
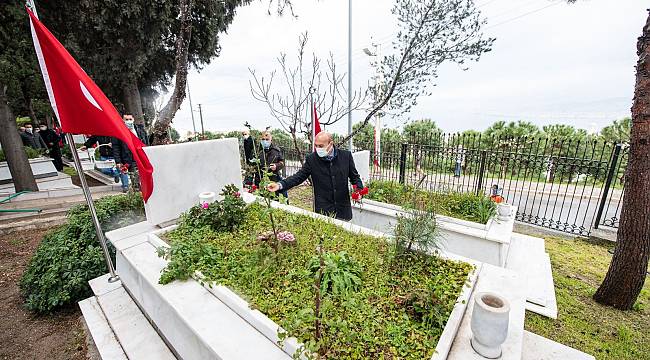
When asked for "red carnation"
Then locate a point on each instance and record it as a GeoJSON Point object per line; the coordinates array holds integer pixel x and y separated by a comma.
{"type": "Point", "coordinates": [364, 191]}
{"type": "Point", "coordinates": [355, 196]}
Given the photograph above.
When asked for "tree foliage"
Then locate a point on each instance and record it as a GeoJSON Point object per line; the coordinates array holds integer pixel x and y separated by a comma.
{"type": "Point", "coordinates": [431, 32]}
{"type": "Point", "coordinates": [618, 131]}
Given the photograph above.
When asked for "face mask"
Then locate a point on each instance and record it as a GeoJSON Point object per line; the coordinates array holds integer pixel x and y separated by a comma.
{"type": "Point", "coordinates": [29, 130]}
{"type": "Point", "coordinates": [43, 128]}
{"type": "Point", "coordinates": [129, 124]}
{"type": "Point", "coordinates": [266, 144]}
{"type": "Point", "coordinates": [322, 152]}
{"type": "Point", "coordinates": [246, 137]}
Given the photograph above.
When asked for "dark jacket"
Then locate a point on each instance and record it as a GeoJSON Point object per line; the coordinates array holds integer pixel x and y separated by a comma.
{"type": "Point", "coordinates": [50, 136]}
{"type": "Point", "coordinates": [330, 180]}
{"type": "Point", "coordinates": [141, 132]}
{"type": "Point", "coordinates": [248, 149]}
{"type": "Point", "coordinates": [104, 151]}
{"type": "Point", "coordinates": [121, 153]}
{"type": "Point", "coordinates": [33, 140]}
{"type": "Point", "coordinates": [272, 155]}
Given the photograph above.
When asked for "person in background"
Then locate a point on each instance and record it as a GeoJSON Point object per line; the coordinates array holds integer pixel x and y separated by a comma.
{"type": "Point", "coordinates": [248, 145]}
{"type": "Point", "coordinates": [52, 139]}
{"type": "Point", "coordinates": [330, 169]}
{"type": "Point", "coordinates": [137, 129]}
{"type": "Point", "coordinates": [460, 160]}
{"type": "Point", "coordinates": [21, 129]}
{"type": "Point", "coordinates": [271, 160]}
{"type": "Point", "coordinates": [105, 153]}
{"type": "Point", "coordinates": [122, 155]}
{"type": "Point", "coordinates": [32, 139]}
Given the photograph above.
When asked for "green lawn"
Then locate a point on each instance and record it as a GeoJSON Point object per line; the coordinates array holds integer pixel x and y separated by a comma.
{"type": "Point", "coordinates": [578, 268]}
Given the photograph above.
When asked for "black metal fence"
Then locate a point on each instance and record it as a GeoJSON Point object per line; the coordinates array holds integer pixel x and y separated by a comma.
{"type": "Point", "coordinates": [568, 184]}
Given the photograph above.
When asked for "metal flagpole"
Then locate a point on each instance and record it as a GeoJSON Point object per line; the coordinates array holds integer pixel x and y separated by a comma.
{"type": "Point", "coordinates": [191, 108]}
{"type": "Point", "coordinates": [86, 190]}
{"type": "Point", "coordinates": [91, 208]}
{"type": "Point", "coordinates": [313, 125]}
{"type": "Point", "coordinates": [350, 72]}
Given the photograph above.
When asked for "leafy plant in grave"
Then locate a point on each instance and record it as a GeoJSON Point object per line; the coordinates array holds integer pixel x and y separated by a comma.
{"type": "Point", "coordinates": [341, 274]}
{"type": "Point", "coordinates": [70, 255]}
{"type": "Point", "coordinates": [268, 197]}
{"type": "Point", "coordinates": [426, 307]}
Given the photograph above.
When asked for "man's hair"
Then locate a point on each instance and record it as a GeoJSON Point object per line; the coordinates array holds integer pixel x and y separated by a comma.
{"type": "Point", "coordinates": [265, 133]}
{"type": "Point", "coordinates": [30, 124]}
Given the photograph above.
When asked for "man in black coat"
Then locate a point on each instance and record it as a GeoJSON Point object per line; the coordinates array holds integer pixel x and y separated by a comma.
{"type": "Point", "coordinates": [330, 169]}
{"type": "Point", "coordinates": [32, 139]}
{"type": "Point", "coordinates": [270, 160]}
{"type": "Point", "coordinates": [248, 146]}
{"type": "Point", "coordinates": [51, 139]}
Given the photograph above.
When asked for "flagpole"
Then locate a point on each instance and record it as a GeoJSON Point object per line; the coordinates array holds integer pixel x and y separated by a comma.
{"type": "Point", "coordinates": [84, 186]}
{"type": "Point", "coordinates": [91, 207]}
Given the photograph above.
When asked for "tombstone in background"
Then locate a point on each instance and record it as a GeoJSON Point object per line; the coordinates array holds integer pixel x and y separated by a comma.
{"type": "Point", "coordinates": [362, 163]}
{"type": "Point", "coordinates": [182, 171]}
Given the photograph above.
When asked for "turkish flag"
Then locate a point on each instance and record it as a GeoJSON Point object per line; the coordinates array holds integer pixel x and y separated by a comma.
{"type": "Point", "coordinates": [317, 128]}
{"type": "Point", "coordinates": [79, 104]}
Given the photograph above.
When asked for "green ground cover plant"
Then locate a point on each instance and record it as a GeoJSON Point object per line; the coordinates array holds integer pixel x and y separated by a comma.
{"type": "Point", "coordinates": [464, 206]}
{"type": "Point", "coordinates": [31, 153]}
{"type": "Point", "coordinates": [370, 303]}
{"type": "Point", "coordinates": [70, 255]}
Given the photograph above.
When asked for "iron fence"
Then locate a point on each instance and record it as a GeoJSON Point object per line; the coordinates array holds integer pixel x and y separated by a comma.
{"type": "Point", "coordinates": [568, 184]}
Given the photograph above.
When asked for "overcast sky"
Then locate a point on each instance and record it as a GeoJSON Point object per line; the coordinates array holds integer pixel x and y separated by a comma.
{"type": "Point", "coordinates": [551, 63]}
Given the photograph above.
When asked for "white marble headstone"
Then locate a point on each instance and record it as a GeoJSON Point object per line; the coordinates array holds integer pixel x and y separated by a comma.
{"type": "Point", "coordinates": [362, 163]}
{"type": "Point", "coordinates": [182, 171]}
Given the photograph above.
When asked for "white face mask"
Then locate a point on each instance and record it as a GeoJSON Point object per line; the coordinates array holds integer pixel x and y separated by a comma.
{"type": "Point", "coordinates": [322, 152]}
{"type": "Point", "coordinates": [43, 128]}
{"type": "Point", "coordinates": [129, 124]}
{"type": "Point", "coordinates": [246, 137]}
{"type": "Point", "coordinates": [29, 130]}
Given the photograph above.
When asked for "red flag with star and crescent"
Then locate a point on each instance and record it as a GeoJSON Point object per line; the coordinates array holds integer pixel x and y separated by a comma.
{"type": "Point", "coordinates": [79, 104]}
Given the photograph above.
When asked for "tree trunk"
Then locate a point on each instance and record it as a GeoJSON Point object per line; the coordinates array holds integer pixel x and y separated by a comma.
{"type": "Point", "coordinates": [182, 48]}
{"type": "Point", "coordinates": [627, 271]}
{"type": "Point", "coordinates": [12, 145]}
{"type": "Point", "coordinates": [148, 108]}
{"type": "Point", "coordinates": [132, 101]}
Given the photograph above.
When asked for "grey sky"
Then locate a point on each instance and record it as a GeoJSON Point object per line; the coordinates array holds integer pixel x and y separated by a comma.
{"type": "Point", "coordinates": [551, 63]}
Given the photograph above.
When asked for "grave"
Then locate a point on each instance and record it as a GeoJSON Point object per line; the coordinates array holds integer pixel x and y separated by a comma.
{"type": "Point", "coordinates": [137, 318]}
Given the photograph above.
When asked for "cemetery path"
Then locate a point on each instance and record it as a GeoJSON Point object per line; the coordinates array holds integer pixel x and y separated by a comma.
{"type": "Point", "coordinates": [24, 335]}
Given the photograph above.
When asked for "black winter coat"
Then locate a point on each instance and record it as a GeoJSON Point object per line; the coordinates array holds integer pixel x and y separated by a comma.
{"type": "Point", "coordinates": [121, 153]}
{"type": "Point", "coordinates": [248, 149]}
{"type": "Point", "coordinates": [330, 181]}
{"type": "Point", "coordinates": [272, 155]}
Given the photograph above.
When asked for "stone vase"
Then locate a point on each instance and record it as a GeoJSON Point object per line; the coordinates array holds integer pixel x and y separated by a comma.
{"type": "Point", "coordinates": [504, 210]}
{"type": "Point", "coordinates": [207, 197]}
{"type": "Point", "coordinates": [489, 324]}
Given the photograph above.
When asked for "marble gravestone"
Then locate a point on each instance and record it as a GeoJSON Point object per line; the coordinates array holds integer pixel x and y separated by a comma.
{"type": "Point", "coordinates": [182, 171]}
{"type": "Point", "coordinates": [362, 163]}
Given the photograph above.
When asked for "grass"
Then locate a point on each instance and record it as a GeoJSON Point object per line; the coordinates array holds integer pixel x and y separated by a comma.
{"type": "Point", "coordinates": [383, 318]}
{"type": "Point", "coordinates": [68, 170]}
{"type": "Point", "coordinates": [578, 269]}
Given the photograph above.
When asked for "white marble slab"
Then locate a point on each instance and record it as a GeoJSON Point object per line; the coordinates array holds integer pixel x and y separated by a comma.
{"type": "Point", "coordinates": [509, 285]}
{"type": "Point", "coordinates": [41, 167]}
{"type": "Point", "coordinates": [540, 348]}
{"type": "Point", "coordinates": [132, 329]}
{"type": "Point", "coordinates": [362, 163]}
{"type": "Point", "coordinates": [195, 322]}
{"type": "Point", "coordinates": [101, 285]}
{"type": "Point", "coordinates": [103, 337]}
{"type": "Point", "coordinates": [182, 171]}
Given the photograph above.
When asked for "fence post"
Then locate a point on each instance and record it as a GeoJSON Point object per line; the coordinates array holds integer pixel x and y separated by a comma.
{"type": "Point", "coordinates": [608, 184]}
{"type": "Point", "coordinates": [402, 164]}
{"type": "Point", "coordinates": [481, 172]}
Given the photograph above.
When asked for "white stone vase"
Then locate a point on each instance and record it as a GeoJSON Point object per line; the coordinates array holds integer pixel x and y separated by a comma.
{"type": "Point", "coordinates": [207, 197]}
{"type": "Point", "coordinates": [504, 210]}
{"type": "Point", "coordinates": [490, 319]}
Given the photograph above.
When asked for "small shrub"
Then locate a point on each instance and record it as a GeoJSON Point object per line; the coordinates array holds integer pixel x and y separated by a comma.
{"type": "Point", "coordinates": [70, 255]}
{"type": "Point", "coordinates": [224, 215]}
{"type": "Point", "coordinates": [417, 230]}
{"type": "Point", "coordinates": [31, 153]}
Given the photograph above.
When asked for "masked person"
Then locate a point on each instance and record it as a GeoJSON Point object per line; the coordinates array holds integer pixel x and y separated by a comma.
{"type": "Point", "coordinates": [330, 169]}
{"type": "Point", "coordinates": [52, 139]}
{"type": "Point", "coordinates": [32, 139]}
{"type": "Point", "coordinates": [270, 160]}
{"type": "Point", "coordinates": [248, 145]}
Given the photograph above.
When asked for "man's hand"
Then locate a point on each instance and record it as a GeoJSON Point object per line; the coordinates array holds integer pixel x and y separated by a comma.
{"type": "Point", "coordinates": [273, 187]}
{"type": "Point", "coordinates": [273, 167]}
